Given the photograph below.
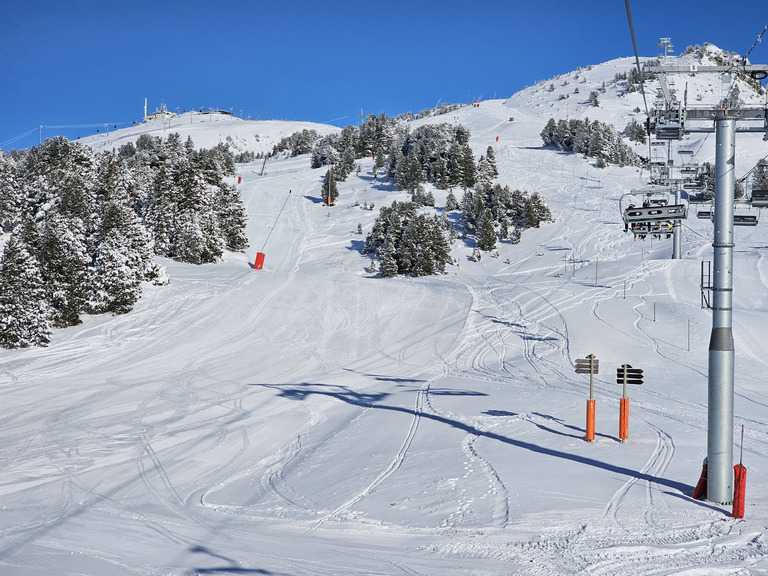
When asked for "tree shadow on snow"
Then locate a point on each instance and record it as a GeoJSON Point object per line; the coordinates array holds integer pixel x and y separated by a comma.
{"type": "Point", "coordinates": [233, 568]}
{"type": "Point", "coordinates": [384, 378]}
{"type": "Point", "coordinates": [371, 400]}
{"type": "Point", "coordinates": [356, 245]}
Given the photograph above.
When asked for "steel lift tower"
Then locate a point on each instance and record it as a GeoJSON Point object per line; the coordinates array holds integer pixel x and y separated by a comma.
{"type": "Point", "coordinates": [671, 122]}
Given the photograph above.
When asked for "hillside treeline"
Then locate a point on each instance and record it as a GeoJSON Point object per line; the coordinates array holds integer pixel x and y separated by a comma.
{"type": "Point", "coordinates": [85, 226]}
{"type": "Point", "coordinates": [593, 139]}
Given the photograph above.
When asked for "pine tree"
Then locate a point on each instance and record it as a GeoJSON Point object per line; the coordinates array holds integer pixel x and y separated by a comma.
{"type": "Point", "coordinates": [329, 191]}
{"type": "Point", "coordinates": [468, 167]}
{"type": "Point", "coordinates": [487, 171]}
{"type": "Point", "coordinates": [548, 133]}
{"type": "Point", "coordinates": [504, 229]}
{"type": "Point", "coordinates": [410, 176]}
{"type": "Point", "coordinates": [388, 261]}
{"type": "Point", "coordinates": [450, 202]}
{"type": "Point", "coordinates": [378, 162]}
{"type": "Point", "coordinates": [64, 263]}
{"type": "Point", "coordinates": [486, 237]}
{"type": "Point", "coordinates": [11, 197]}
{"type": "Point", "coordinates": [229, 209]}
{"type": "Point", "coordinates": [25, 316]}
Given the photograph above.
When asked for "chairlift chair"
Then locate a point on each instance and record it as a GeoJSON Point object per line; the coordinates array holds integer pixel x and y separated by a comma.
{"type": "Point", "coordinates": [657, 213]}
{"type": "Point", "coordinates": [746, 218]}
{"type": "Point", "coordinates": [705, 211]}
{"type": "Point", "coordinates": [759, 199]}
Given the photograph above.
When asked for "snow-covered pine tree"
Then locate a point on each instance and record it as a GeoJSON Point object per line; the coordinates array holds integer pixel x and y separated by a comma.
{"type": "Point", "coordinates": [62, 254]}
{"type": "Point", "coordinates": [329, 191]}
{"type": "Point", "coordinates": [468, 167]}
{"type": "Point", "coordinates": [548, 133]}
{"type": "Point", "coordinates": [25, 315]}
{"type": "Point", "coordinates": [378, 161]}
{"type": "Point", "coordinates": [424, 249]}
{"type": "Point", "coordinates": [450, 202]}
{"type": "Point", "coordinates": [118, 279]}
{"type": "Point", "coordinates": [409, 174]}
{"type": "Point", "coordinates": [487, 170]}
{"type": "Point", "coordinates": [229, 209]}
{"type": "Point", "coordinates": [504, 229]}
{"type": "Point", "coordinates": [537, 211]}
{"type": "Point", "coordinates": [486, 236]}
{"type": "Point", "coordinates": [388, 260]}
{"type": "Point", "coordinates": [11, 198]}
{"type": "Point", "coordinates": [635, 132]}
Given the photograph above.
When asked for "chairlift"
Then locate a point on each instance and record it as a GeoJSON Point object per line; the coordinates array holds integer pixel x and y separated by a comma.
{"type": "Point", "coordinates": [705, 212]}
{"type": "Point", "coordinates": [746, 218]}
{"type": "Point", "coordinates": [759, 199]}
{"type": "Point", "coordinates": [655, 217]}
{"type": "Point", "coordinates": [657, 213]}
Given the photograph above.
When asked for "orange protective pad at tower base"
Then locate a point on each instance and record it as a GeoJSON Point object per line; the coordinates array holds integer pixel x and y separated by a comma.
{"type": "Point", "coordinates": [259, 263]}
{"type": "Point", "coordinates": [590, 420]}
{"type": "Point", "coordinates": [739, 490]}
{"type": "Point", "coordinates": [700, 492]}
{"type": "Point", "coordinates": [624, 419]}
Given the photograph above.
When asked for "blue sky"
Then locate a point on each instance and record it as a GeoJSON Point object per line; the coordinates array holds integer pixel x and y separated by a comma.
{"type": "Point", "coordinates": [84, 63]}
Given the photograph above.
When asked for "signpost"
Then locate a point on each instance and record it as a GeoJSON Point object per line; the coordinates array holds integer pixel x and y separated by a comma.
{"type": "Point", "coordinates": [589, 365]}
{"type": "Point", "coordinates": [625, 374]}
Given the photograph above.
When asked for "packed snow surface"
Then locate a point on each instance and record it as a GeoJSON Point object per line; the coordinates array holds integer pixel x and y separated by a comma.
{"type": "Point", "coordinates": [312, 418]}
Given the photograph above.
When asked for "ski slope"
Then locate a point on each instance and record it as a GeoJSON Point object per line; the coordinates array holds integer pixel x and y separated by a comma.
{"type": "Point", "coordinates": [311, 418]}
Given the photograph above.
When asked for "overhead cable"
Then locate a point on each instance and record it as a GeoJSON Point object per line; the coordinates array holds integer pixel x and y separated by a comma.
{"type": "Point", "coordinates": [640, 71]}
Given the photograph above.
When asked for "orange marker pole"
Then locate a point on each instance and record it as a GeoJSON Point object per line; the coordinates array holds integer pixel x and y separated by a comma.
{"type": "Point", "coordinates": [739, 490]}
{"type": "Point", "coordinates": [590, 420]}
{"type": "Point", "coordinates": [624, 419]}
{"type": "Point", "coordinates": [700, 492]}
{"type": "Point", "coordinates": [740, 483]}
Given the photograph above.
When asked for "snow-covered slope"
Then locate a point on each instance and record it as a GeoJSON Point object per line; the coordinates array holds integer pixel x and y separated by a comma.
{"type": "Point", "coordinates": [308, 418]}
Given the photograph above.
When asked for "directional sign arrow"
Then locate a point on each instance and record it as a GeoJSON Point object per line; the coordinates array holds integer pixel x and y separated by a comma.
{"type": "Point", "coordinates": [630, 372]}
{"type": "Point", "coordinates": [588, 365]}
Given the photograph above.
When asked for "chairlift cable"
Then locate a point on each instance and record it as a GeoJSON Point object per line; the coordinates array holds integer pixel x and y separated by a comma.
{"type": "Point", "coordinates": [744, 63]}
{"type": "Point", "coordinates": [276, 219]}
{"type": "Point", "coordinates": [642, 83]}
{"type": "Point", "coordinates": [15, 138]}
{"type": "Point", "coordinates": [759, 38]}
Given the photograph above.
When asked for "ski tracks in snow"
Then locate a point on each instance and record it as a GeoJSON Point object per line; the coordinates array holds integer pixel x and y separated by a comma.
{"type": "Point", "coordinates": [394, 464]}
